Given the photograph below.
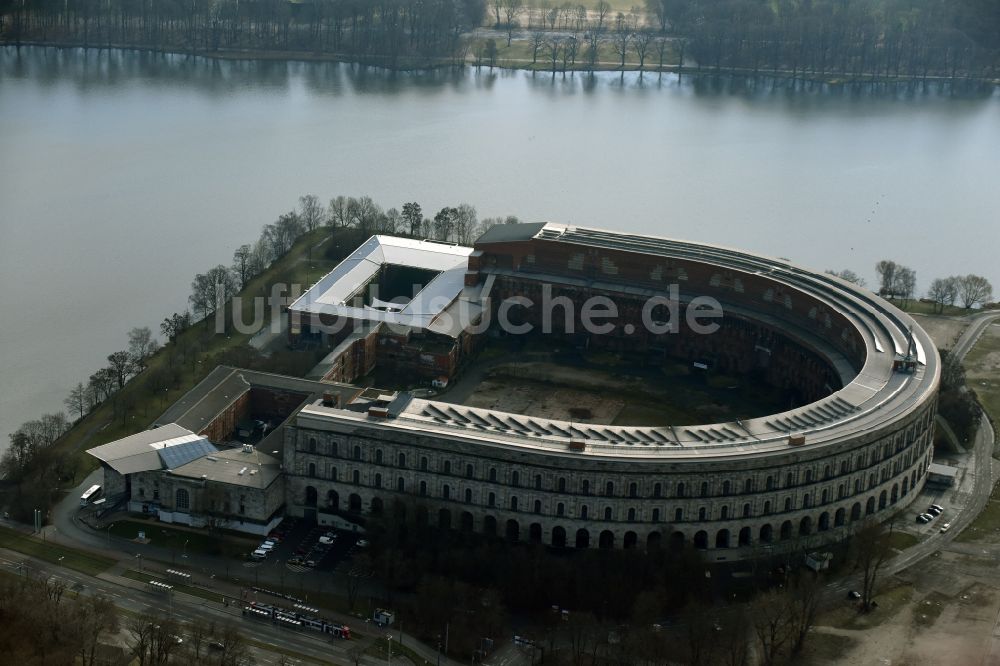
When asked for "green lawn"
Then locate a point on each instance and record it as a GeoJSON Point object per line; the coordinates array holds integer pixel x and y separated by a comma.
{"type": "Point", "coordinates": [54, 553]}
{"type": "Point", "coordinates": [920, 307]}
{"type": "Point", "coordinates": [198, 541]}
{"type": "Point", "coordinates": [902, 540]}
{"type": "Point", "coordinates": [987, 523]}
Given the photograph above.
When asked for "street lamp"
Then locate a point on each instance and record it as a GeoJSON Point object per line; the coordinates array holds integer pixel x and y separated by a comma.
{"type": "Point", "coordinates": [184, 553]}
{"type": "Point", "coordinates": [139, 557]}
{"type": "Point", "coordinates": [109, 534]}
{"type": "Point", "coordinates": [388, 658]}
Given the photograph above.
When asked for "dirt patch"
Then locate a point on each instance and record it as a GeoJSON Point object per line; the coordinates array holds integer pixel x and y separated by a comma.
{"type": "Point", "coordinates": [532, 398]}
{"type": "Point", "coordinates": [944, 331]}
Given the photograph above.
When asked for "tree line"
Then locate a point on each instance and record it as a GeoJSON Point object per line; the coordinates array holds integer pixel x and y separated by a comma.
{"type": "Point", "coordinates": [41, 622]}
{"type": "Point", "coordinates": [353, 219]}
{"type": "Point", "coordinates": [359, 29]}
{"type": "Point", "coordinates": [898, 283]}
{"type": "Point", "coordinates": [873, 41]}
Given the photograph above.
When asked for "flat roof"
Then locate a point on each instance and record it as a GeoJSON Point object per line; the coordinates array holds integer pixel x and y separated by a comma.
{"type": "Point", "coordinates": [942, 470]}
{"type": "Point", "coordinates": [333, 292]}
{"type": "Point", "coordinates": [247, 468]}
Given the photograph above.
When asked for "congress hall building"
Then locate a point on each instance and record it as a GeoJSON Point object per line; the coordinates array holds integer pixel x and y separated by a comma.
{"type": "Point", "coordinates": [856, 445]}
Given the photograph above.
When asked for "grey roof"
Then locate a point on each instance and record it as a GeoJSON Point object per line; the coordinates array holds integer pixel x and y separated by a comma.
{"type": "Point", "coordinates": [942, 470]}
{"type": "Point", "coordinates": [511, 233]}
{"type": "Point", "coordinates": [199, 406]}
{"type": "Point", "coordinates": [142, 451]}
{"type": "Point", "coordinates": [251, 469]}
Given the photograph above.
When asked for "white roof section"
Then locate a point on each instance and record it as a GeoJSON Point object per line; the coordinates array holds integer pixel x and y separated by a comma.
{"type": "Point", "coordinates": [331, 295]}
{"type": "Point", "coordinates": [241, 467]}
{"type": "Point", "coordinates": [148, 450]}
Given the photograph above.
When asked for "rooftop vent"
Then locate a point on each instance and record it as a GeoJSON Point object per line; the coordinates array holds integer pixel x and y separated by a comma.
{"type": "Point", "coordinates": [796, 440]}
{"type": "Point", "coordinates": [378, 412]}
{"type": "Point", "coordinates": [576, 445]}
{"type": "Point", "coordinates": [330, 399]}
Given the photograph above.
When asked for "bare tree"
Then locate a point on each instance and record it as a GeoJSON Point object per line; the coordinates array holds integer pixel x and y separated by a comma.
{"type": "Point", "coordinates": [804, 598]}
{"type": "Point", "coordinates": [537, 39]}
{"type": "Point", "coordinates": [871, 545]}
{"type": "Point", "coordinates": [96, 617]}
{"type": "Point", "coordinates": [943, 291]}
{"type": "Point", "coordinates": [241, 264]}
{"type": "Point", "coordinates": [641, 41]}
{"type": "Point", "coordinates": [141, 345]}
{"type": "Point", "coordinates": [310, 211]}
{"type": "Point", "coordinates": [769, 613]}
{"type": "Point", "coordinates": [886, 271]}
{"type": "Point", "coordinates": [76, 402]}
{"type": "Point", "coordinates": [621, 38]}
{"type": "Point", "coordinates": [121, 366]}
{"type": "Point", "coordinates": [337, 214]}
{"type": "Point", "coordinates": [603, 9]}
{"type": "Point", "coordinates": [594, 41]}
{"type": "Point", "coordinates": [848, 275]}
{"type": "Point", "coordinates": [974, 290]}
{"type": "Point", "coordinates": [413, 216]}
{"type": "Point", "coordinates": [554, 44]}
{"type": "Point", "coordinates": [511, 10]}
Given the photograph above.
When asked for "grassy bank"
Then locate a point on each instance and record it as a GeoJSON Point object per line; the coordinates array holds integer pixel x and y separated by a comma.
{"type": "Point", "coordinates": [184, 541]}
{"type": "Point", "coordinates": [54, 553]}
{"type": "Point", "coordinates": [143, 398]}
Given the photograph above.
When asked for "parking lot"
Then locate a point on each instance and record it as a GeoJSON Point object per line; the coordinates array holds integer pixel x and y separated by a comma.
{"type": "Point", "coordinates": [304, 547]}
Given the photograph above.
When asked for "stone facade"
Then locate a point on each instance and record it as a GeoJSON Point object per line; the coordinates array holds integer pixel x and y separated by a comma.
{"type": "Point", "coordinates": [732, 508]}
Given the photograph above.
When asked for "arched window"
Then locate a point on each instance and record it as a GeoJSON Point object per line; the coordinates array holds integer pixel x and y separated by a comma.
{"type": "Point", "coordinates": [585, 487]}
{"type": "Point", "coordinates": [423, 487]}
{"type": "Point", "coordinates": [470, 471]}
{"type": "Point", "coordinates": [583, 512]}
{"type": "Point", "coordinates": [357, 453]}
{"type": "Point", "coordinates": [183, 501]}
{"type": "Point", "coordinates": [843, 467]}
{"type": "Point", "coordinates": [704, 489]}
{"type": "Point", "coordinates": [607, 513]}
{"type": "Point", "coordinates": [423, 463]}
{"type": "Point", "coordinates": [788, 504]}
{"type": "Point", "coordinates": [468, 496]}
{"type": "Point", "coordinates": [767, 508]}
{"type": "Point", "coordinates": [748, 486]}
{"type": "Point", "coordinates": [400, 485]}
{"type": "Point", "coordinates": [515, 479]}
{"type": "Point", "coordinates": [789, 480]}
{"type": "Point", "coordinates": [631, 515]}
{"type": "Point", "coordinates": [769, 483]}
{"type": "Point", "coordinates": [493, 474]}
{"type": "Point", "coordinates": [609, 488]}
{"type": "Point", "coordinates": [538, 506]}
{"type": "Point", "coordinates": [809, 476]}
{"type": "Point", "coordinates": [333, 473]}
{"type": "Point", "coordinates": [491, 499]}
{"type": "Point", "coordinates": [633, 490]}
{"type": "Point", "coordinates": [656, 515]}
{"type": "Point", "coordinates": [562, 484]}
{"type": "Point", "coordinates": [356, 477]}
{"type": "Point", "coordinates": [678, 515]}
{"type": "Point", "coordinates": [806, 501]}
{"type": "Point", "coordinates": [312, 469]}
{"type": "Point", "coordinates": [560, 509]}
{"type": "Point", "coordinates": [826, 472]}
{"type": "Point", "coordinates": [701, 513]}
{"type": "Point", "coordinates": [402, 459]}
{"type": "Point", "coordinates": [378, 456]}
{"type": "Point", "coordinates": [513, 504]}
{"type": "Point", "coordinates": [657, 490]}
{"type": "Point", "coordinates": [538, 482]}
{"type": "Point", "coordinates": [746, 510]}
{"type": "Point", "coordinates": [446, 491]}
{"type": "Point", "coordinates": [447, 467]}
{"type": "Point", "coordinates": [680, 490]}
{"type": "Point", "coordinates": [378, 480]}
{"type": "Point", "coordinates": [724, 513]}
{"type": "Point", "coordinates": [725, 488]}
{"type": "Point", "coordinates": [312, 445]}
{"type": "Point", "coordinates": [333, 449]}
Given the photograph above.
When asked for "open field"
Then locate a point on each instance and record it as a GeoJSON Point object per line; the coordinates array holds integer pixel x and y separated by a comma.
{"type": "Point", "coordinates": [982, 371]}
{"type": "Point", "coordinates": [945, 331]}
{"type": "Point", "coordinates": [608, 389]}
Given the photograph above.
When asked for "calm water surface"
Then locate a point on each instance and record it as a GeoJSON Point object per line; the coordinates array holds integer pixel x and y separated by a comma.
{"type": "Point", "coordinates": [123, 174]}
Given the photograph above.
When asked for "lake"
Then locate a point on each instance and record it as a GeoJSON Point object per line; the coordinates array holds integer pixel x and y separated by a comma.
{"type": "Point", "coordinates": [123, 173]}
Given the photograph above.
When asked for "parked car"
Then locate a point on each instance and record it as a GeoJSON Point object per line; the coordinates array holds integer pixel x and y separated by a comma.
{"type": "Point", "coordinates": [326, 539]}
{"type": "Point", "coordinates": [945, 527]}
{"type": "Point", "coordinates": [853, 595]}
{"type": "Point", "coordinates": [924, 518]}
{"type": "Point", "coordinates": [937, 506]}
{"type": "Point", "coordinates": [934, 511]}
{"type": "Point", "coordinates": [259, 554]}
{"type": "Point", "coordinates": [362, 543]}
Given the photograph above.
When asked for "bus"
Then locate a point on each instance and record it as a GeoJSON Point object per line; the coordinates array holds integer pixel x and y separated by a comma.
{"type": "Point", "coordinates": [90, 495]}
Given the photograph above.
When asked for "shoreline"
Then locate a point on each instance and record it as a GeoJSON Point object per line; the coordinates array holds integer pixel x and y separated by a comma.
{"type": "Point", "coordinates": [444, 63]}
